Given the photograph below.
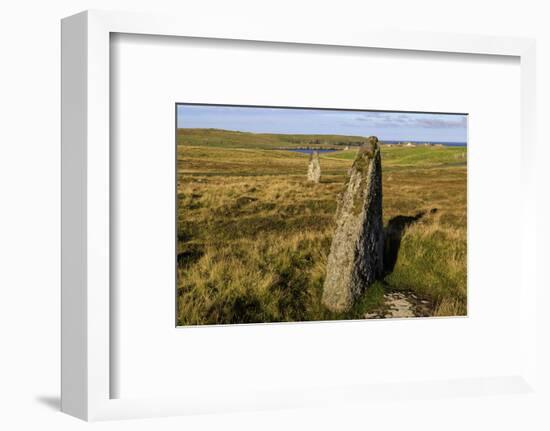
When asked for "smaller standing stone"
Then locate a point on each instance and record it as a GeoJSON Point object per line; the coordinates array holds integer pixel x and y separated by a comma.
{"type": "Point", "coordinates": [314, 168]}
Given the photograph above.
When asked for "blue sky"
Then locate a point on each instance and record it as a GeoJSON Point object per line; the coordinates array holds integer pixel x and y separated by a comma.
{"type": "Point", "coordinates": [385, 125]}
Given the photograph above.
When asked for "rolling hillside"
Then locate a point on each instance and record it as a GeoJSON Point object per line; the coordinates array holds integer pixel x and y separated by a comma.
{"type": "Point", "coordinates": [234, 139]}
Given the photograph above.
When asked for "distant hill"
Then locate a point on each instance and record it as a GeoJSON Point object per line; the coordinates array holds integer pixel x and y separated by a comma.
{"type": "Point", "coordinates": [234, 139]}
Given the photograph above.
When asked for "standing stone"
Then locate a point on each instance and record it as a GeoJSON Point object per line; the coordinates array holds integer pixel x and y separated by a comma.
{"type": "Point", "coordinates": [314, 168]}
{"type": "Point", "coordinates": [356, 254]}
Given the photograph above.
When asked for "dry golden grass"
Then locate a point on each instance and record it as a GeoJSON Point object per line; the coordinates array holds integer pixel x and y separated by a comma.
{"type": "Point", "coordinates": [253, 235]}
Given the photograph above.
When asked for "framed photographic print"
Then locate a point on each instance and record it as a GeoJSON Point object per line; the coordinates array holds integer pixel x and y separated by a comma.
{"type": "Point", "coordinates": [259, 219]}
{"type": "Point", "coordinates": [297, 214]}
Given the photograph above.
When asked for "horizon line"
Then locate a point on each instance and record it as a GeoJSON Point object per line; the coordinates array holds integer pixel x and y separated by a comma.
{"type": "Point", "coordinates": [318, 134]}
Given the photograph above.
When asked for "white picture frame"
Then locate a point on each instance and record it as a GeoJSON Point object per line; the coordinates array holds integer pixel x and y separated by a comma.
{"type": "Point", "coordinates": [86, 170]}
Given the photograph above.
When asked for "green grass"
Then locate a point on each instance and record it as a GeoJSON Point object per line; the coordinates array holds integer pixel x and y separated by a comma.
{"type": "Point", "coordinates": [234, 139]}
{"type": "Point", "coordinates": [412, 157]}
{"type": "Point", "coordinates": [254, 236]}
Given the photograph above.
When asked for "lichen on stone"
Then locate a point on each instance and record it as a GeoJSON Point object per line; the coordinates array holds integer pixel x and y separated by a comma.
{"type": "Point", "coordinates": [355, 259]}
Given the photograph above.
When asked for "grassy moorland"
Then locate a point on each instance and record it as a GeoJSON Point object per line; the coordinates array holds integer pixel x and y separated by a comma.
{"type": "Point", "coordinates": [254, 236]}
{"type": "Point", "coordinates": [235, 139]}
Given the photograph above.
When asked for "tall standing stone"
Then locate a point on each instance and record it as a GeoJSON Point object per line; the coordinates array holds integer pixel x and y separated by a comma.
{"type": "Point", "coordinates": [314, 168]}
{"type": "Point", "coordinates": [356, 254]}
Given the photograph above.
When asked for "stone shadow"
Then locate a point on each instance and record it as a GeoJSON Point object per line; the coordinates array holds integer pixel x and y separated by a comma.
{"type": "Point", "coordinates": [393, 233]}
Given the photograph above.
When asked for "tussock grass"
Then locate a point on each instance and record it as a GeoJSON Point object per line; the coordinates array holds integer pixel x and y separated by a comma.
{"type": "Point", "coordinates": [248, 281]}
{"type": "Point", "coordinates": [254, 236]}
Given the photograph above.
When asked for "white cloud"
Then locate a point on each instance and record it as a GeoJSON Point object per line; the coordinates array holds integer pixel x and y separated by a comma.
{"type": "Point", "coordinates": [400, 119]}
